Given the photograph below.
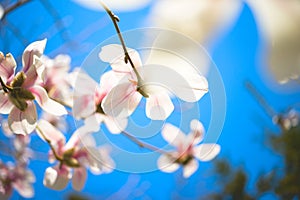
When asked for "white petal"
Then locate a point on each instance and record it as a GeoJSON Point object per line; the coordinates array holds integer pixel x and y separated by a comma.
{"type": "Point", "coordinates": [206, 152]}
{"type": "Point", "coordinates": [197, 132]}
{"type": "Point", "coordinates": [24, 189]}
{"type": "Point", "coordinates": [166, 164]}
{"type": "Point", "coordinates": [83, 83]}
{"type": "Point", "coordinates": [79, 178]}
{"type": "Point", "coordinates": [121, 101]}
{"type": "Point", "coordinates": [55, 178]}
{"type": "Point", "coordinates": [114, 55]}
{"type": "Point", "coordinates": [7, 67]}
{"type": "Point", "coordinates": [5, 104]}
{"type": "Point", "coordinates": [115, 125]}
{"type": "Point", "coordinates": [159, 106]}
{"type": "Point", "coordinates": [173, 135]}
{"type": "Point", "coordinates": [190, 168]}
{"type": "Point", "coordinates": [93, 122]}
{"type": "Point", "coordinates": [100, 160]}
{"type": "Point", "coordinates": [188, 86]}
{"type": "Point", "coordinates": [23, 122]}
{"type": "Point", "coordinates": [34, 49]}
{"type": "Point", "coordinates": [49, 131]}
{"type": "Point", "coordinates": [84, 106]}
{"type": "Point", "coordinates": [46, 103]}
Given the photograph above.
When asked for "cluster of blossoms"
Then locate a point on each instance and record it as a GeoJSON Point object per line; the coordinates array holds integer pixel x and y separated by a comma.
{"type": "Point", "coordinates": [50, 84]}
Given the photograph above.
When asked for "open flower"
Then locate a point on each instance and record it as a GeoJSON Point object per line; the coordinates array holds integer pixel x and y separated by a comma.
{"type": "Point", "coordinates": [152, 82]}
{"type": "Point", "coordinates": [88, 98]}
{"type": "Point", "coordinates": [79, 153]}
{"type": "Point", "coordinates": [16, 177]}
{"type": "Point", "coordinates": [17, 92]}
{"type": "Point", "coordinates": [55, 78]}
{"type": "Point", "coordinates": [187, 149]}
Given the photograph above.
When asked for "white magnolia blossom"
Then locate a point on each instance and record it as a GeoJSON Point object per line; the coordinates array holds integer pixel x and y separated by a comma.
{"type": "Point", "coordinates": [88, 99]}
{"type": "Point", "coordinates": [279, 23]}
{"type": "Point", "coordinates": [1, 11]}
{"type": "Point", "coordinates": [17, 91]}
{"type": "Point", "coordinates": [79, 153]}
{"type": "Point", "coordinates": [193, 18]}
{"type": "Point", "coordinates": [116, 5]}
{"type": "Point", "coordinates": [187, 149]}
{"type": "Point", "coordinates": [154, 82]}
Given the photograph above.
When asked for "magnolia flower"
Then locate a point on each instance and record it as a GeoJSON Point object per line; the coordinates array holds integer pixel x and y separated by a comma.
{"type": "Point", "coordinates": [16, 177]}
{"type": "Point", "coordinates": [75, 156]}
{"type": "Point", "coordinates": [55, 78]}
{"type": "Point", "coordinates": [153, 82]}
{"type": "Point", "coordinates": [88, 98]}
{"type": "Point", "coordinates": [187, 149]}
{"type": "Point", "coordinates": [279, 25]}
{"type": "Point", "coordinates": [17, 92]}
{"type": "Point", "coordinates": [205, 18]}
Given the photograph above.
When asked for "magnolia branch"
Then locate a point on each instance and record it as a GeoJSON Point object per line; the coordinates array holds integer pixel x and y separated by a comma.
{"type": "Point", "coordinates": [115, 19]}
{"type": "Point", "coordinates": [143, 144]}
{"type": "Point", "coordinates": [14, 6]}
{"type": "Point", "coordinates": [57, 157]}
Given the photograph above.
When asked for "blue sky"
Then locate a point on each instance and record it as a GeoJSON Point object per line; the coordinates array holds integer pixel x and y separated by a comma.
{"type": "Point", "coordinates": [236, 55]}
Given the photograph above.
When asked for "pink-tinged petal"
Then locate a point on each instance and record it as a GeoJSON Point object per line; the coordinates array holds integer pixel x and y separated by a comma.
{"type": "Point", "coordinates": [121, 101]}
{"type": "Point", "coordinates": [34, 49]}
{"type": "Point", "coordinates": [93, 122]}
{"type": "Point", "coordinates": [5, 104]}
{"type": "Point", "coordinates": [7, 67]}
{"type": "Point", "coordinates": [108, 81]}
{"type": "Point", "coordinates": [83, 83]}
{"type": "Point", "coordinates": [24, 189]}
{"type": "Point", "coordinates": [206, 152]}
{"type": "Point", "coordinates": [190, 168]}
{"type": "Point", "coordinates": [114, 55]}
{"type": "Point", "coordinates": [107, 163]}
{"type": "Point", "coordinates": [23, 122]}
{"type": "Point", "coordinates": [197, 132]}
{"type": "Point", "coordinates": [166, 164]}
{"type": "Point", "coordinates": [79, 178]}
{"type": "Point", "coordinates": [189, 87]}
{"type": "Point", "coordinates": [99, 160]}
{"type": "Point", "coordinates": [50, 132]}
{"type": "Point", "coordinates": [46, 103]}
{"type": "Point", "coordinates": [173, 135]}
{"type": "Point", "coordinates": [56, 178]}
{"type": "Point", "coordinates": [115, 125]}
{"type": "Point", "coordinates": [159, 106]}
{"type": "Point", "coordinates": [84, 106]}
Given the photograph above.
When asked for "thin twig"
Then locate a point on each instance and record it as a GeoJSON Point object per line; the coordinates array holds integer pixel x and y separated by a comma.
{"type": "Point", "coordinates": [115, 19]}
{"type": "Point", "coordinates": [57, 157]}
{"type": "Point", "coordinates": [143, 144]}
{"type": "Point", "coordinates": [260, 99]}
{"type": "Point", "coordinates": [13, 7]}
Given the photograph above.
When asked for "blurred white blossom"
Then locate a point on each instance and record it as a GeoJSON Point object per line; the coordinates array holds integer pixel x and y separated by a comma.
{"type": "Point", "coordinates": [279, 23]}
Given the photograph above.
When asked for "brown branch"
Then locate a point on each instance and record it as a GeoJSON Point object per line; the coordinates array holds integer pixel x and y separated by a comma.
{"type": "Point", "coordinates": [57, 157]}
{"type": "Point", "coordinates": [115, 19]}
{"type": "Point", "coordinates": [143, 144]}
{"type": "Point", "coordinates": [13, 7]}
{"type": "Point", "coordinates": [260, 99]}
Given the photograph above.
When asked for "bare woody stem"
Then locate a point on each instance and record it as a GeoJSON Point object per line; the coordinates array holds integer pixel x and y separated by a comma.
{"type": "Point", "coordinates": [14, 6]}
{"type": "Point", "coordinates": [143, 144]}
{"type": "Point", "coordinates": [115, 19]}
{"type": "Point", "coordinates": [260, 99]}
{"type": "Point", "coordinates": [57, 157]}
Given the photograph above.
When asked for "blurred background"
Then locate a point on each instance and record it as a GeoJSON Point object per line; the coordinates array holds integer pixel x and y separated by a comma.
{"type": "Point", "coordinates": [256, 48]}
